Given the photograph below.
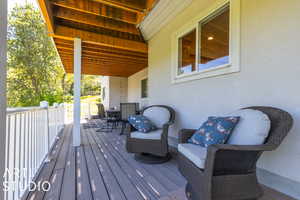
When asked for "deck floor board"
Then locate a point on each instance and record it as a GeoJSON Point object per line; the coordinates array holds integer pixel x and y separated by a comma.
{"type": "Point", "coordinates": [101, 169]}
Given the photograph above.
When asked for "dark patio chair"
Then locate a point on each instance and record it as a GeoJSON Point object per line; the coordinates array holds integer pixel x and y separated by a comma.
{"type": "Point", "coordinates": [230, 170]}
{"type": "Point", "coordinates": [152, 147]}
{"type": "Point", "coordinates": [126, 110]}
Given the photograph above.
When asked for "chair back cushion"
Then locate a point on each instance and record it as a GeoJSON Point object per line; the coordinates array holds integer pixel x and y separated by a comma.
{"type": "Point", "coordinates": [252, 129]}
{"type": "Point", "coordinates": [141, 123]}
{"type": "Point", "coordinates": [216, 130]}
{"type": "Point", "coordinates": [157, 115]}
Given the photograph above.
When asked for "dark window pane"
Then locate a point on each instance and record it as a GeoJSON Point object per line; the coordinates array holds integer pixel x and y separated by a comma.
{"type": "Point", "coordinates": [214, 42]}
{"type": "Point", "coordinates": [187, 53]}
{"type": "Point", "coordinates": [144, 87]}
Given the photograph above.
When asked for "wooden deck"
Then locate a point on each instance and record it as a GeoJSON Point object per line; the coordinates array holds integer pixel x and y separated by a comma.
{"type": "Point", "coordinates": [101, 169]}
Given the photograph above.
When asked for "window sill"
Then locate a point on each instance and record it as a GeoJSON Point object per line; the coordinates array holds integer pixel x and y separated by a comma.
{"type": "Point", "coordinates": [212, 72]}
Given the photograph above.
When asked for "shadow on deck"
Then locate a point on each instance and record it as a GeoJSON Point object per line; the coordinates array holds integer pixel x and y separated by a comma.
{"type": "Point", "coordinates": [101, 169]}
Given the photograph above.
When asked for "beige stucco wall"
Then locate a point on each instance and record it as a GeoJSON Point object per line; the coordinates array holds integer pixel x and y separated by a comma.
{"type": "Point", "coordinates": [115, 90]}
{"type": "Point", "coordinates": [118, 91]}
{"type": "Point", "coordinates": [270, 75]}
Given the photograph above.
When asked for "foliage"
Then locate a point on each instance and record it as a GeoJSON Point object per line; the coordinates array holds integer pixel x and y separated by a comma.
{"type": "Point", "coordinates": [34, 70]}
{"type": "Point", "coordinates": [90, 86]}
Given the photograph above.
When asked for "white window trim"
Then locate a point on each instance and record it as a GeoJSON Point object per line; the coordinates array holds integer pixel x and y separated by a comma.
{"type": "Point", "coordinates": [234, 44]}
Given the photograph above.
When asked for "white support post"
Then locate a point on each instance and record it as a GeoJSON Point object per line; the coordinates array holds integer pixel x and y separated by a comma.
{"type": "Point", "coordinates": [77, 77]}
{"type": "Point", "coordinates": [3, 54]}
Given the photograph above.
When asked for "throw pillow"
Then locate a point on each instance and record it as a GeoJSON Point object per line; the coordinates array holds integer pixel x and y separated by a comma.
{"type": "Point", "coordinates": [216, 130]}
{"type": "Point", "coordinates": [141, 123]}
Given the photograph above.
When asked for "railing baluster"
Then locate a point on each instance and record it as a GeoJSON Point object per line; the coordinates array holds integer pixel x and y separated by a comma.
{"type": "Point", "coordinates": [8, 128]}
{"type": "Point", "coordinates": [32, 145]}
{"type": "Point", "coordinates": [19, 152]}
{"type": "Point", "coordinates": [15, 150]}
{"type": "Point", "coordinates": [29, 147]}
{"type": "Point", "coordinates": [35, 143]}
{"type": "Point", "coordinates": [25, 154]}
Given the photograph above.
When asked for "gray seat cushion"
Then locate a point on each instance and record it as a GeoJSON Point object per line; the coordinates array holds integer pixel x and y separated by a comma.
{"type": "Point", "coordinates": [195, 153]}
{"type": "Point", "coordinates": [152, 135]}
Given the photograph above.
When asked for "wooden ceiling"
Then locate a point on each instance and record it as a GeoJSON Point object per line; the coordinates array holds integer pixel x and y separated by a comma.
{"type": "Point", "coordinates": [112, 44]}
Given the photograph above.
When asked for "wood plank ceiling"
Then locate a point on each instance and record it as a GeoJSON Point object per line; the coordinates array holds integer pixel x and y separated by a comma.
{"type": "Point", "coordinates": [112, 45]}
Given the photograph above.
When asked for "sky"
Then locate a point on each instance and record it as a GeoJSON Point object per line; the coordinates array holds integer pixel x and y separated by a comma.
{"type": "Point", "coordinates": [11, 3]}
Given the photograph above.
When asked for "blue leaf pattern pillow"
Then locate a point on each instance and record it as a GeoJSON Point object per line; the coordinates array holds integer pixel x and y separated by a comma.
{"type": "Point", "coordinates": [141, 123]}
{"type": "Point", "coordinates": [216, 130]}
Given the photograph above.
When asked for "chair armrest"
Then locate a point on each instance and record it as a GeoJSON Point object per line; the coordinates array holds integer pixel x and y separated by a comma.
{"type": "Point", "coordinates": [166, 125]}
{"type": "Point", "coordinates": [185, 135]}
{"type": "Point", "coordinates": [234, 158]}
{"type": "Point", "coordinates": [128, 127]}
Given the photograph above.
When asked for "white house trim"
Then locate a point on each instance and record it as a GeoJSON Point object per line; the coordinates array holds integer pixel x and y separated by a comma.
{"type": "Point", "coordinates": [3, 54]}
{"type": "Point", "coordinates": [77, 77]}
{"type": "Point", "coordinates": [161, 14]}
{"type": "Point", "coordinates": [234, 49]}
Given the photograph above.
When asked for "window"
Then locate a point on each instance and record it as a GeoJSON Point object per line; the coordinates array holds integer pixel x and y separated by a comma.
{"type": "Point", "coordinates": [208, 45]}
{"type": "Point", "coordinates": [144, 88]}
{"type": "Point", "coordinates": [187, 53]}
{"type": "Point", "coordinates": [103, 93]}
{"type": "Point", "coordinates": [214, 42]}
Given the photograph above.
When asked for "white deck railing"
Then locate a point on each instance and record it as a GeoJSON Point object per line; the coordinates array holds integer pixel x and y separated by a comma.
{"type": "Point", "coordinates": [88, 109]}
{"type": "Point", "coordinates": [31, 132]}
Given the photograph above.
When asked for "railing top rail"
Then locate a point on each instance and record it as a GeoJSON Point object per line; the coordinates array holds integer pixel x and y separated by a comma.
{"type": "Point", "coordinates": [23, 109]}
{"type": "Point", "coordinates": [10, 111]}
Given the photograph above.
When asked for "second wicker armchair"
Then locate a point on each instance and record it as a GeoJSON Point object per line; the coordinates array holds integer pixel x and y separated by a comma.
{"type": "Point", "coordinates": [152, 147]}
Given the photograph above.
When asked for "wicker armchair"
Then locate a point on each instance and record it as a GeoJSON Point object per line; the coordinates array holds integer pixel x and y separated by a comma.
{"type": "Point", "coordinates": [152, 150]}
{"type": "Point", "coordinates": [230, 170]}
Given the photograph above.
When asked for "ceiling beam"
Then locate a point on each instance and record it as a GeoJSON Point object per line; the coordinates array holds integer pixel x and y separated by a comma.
{"type": "Point", "coordinates": [110, 53]}
{"type": "Point", "coordinates": [68, 54]}
{"type": "Point", "coordinates": [97, 21]}
{"type": "Point", "coordinates": [90, 71]}
{"type": "Point", "coordinates": [103, 69]}
{"type": "Point", "coordinates": [105, 55]}
{"type": "Point", "coordinates": [68, 33]}
{"type": "Point", "coordinates": [100, 70]}
{"type": "Point", "coordinates": [102, 49]}
{"type": "Point", "coordinates": [98, 9]}
{"type": "Point", "coordinates": [123, 6]}
{"type": "Point", "coordinates": [46, 9]}
{"type": "Point", "coordinates": [88, 60]}
{"type": "Point", "coordinates": [100, 53]}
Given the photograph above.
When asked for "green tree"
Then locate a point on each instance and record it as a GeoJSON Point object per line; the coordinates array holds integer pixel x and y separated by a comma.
{"type": "Point", "coordinates": [90, 85]}
{"type": "Point", "coordinates": [34, 69]}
